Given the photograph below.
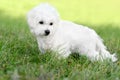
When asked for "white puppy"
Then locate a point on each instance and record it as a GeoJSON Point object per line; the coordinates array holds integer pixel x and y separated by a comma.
{"type": "Point", "coordinates": [65, 37]}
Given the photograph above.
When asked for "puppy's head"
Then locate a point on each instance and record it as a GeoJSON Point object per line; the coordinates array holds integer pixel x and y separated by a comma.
{"type": "Point", "coordinates": [43, 20]}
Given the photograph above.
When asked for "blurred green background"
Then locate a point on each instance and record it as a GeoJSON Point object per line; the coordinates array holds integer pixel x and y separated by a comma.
{"type": "Point", "coordinates": [82, 11]}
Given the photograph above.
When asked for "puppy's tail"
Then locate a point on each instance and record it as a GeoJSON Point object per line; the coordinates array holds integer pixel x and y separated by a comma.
{"type": "Point", "coordinates": [106, 55]}
{"type": "Point", "coordinates": [114, 57]}
{"type": "Point", "coordinates": [101, 48]}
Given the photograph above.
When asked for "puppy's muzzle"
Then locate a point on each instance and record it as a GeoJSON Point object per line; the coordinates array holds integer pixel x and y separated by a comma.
{"type": "Point", "coordinates": [47, 32]}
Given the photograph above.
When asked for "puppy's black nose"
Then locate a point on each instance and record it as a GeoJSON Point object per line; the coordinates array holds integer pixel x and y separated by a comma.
{"type": "Point", "coordinates": [47, 32]}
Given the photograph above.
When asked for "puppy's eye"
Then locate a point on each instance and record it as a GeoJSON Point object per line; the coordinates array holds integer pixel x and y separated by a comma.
{"type": "Point", "coordinates": [41, 22]}
{"type": "Point", "coordinates": [51, 23]}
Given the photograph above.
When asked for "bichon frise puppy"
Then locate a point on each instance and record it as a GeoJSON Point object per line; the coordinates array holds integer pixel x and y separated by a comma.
{"type": "Point", "coordinates": [65, 37]}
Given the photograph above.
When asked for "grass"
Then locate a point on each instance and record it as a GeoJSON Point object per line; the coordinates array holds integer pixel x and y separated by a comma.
{"type": "Point", "coordinates": [20, 58]}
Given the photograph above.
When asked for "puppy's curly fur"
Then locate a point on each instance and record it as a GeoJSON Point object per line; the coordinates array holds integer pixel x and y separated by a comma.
{"type": "Point", "coordinates": [65, 37]}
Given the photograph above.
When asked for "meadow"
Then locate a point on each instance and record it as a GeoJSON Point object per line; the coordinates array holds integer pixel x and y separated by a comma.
{"type": "Point", "coordinates": [20, 58]}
